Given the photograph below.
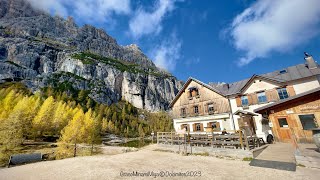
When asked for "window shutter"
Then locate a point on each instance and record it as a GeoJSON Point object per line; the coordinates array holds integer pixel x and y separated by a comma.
{"type": "Point", "coordinates": [188, 125]}
{"type": "Point", "coordinates": [208, 124]}
{"type": "Point", "coordinates": [201, 126]}
{"type": "Point", "coordinates": [249, 99]}
{"type": "Point", "coordinates": [291, 91]}
{"type": "Point", "coordinates": [275, 95]}
{"type": "Point", "coordinates": [254, 98]}
{"type": "Point", "coordinates": [238, 100]}
{"type": "Point", "coordinates": [200, 109]}
{"type": "Point", "coordinates": [194, 127]}
{"type": "Point", "coordinates": [191, 109]}
{"type": "Point", "coordinates": [182, 126]}
{"type": "Point", "coordinates": [218, 126]}
{"type": "Point", "coordinates": [206, 108]}
{"type": "Point", "coordinates": [272, 95]}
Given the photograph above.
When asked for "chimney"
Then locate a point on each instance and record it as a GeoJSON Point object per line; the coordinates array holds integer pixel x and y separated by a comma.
{"type": "Point", "coordinates": [310, 62]}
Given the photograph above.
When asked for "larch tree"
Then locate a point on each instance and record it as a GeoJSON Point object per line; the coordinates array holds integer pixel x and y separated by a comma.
{"type": "Point", "coordinates": [72, 135]}
{"type": "Point", "coordinates": [92, 130]}
{"type": "Point", "coordinates": [43, 120]}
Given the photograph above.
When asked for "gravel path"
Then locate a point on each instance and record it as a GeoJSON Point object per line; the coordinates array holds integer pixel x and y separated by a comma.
{"type": "Point", "coordinates": [147, 160]}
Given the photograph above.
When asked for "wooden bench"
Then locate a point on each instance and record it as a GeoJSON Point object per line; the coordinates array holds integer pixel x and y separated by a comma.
{"type": "Point", "coordinates": [24, 158]}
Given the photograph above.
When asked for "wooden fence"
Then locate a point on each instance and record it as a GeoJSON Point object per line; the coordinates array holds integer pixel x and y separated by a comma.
{"type": "Point", "coordinates": [232, 140]}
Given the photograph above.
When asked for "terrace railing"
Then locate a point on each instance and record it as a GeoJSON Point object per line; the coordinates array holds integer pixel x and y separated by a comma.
{"type": "Point", "coordinates": [235, 140]}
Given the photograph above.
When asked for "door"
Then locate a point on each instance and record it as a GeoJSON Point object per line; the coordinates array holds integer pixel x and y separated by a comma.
{"type": "Point", "coordinates": [283, 129]}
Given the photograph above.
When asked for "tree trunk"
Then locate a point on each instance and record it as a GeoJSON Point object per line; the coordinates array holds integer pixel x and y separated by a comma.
{"type": "Point", "coordinates": [75, 150]}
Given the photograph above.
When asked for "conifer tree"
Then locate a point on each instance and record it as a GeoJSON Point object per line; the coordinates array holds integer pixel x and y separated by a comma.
{"type": "Point", "coordinates": [72, 134]}
{"type": "Point", "coordinates": [44, 119]}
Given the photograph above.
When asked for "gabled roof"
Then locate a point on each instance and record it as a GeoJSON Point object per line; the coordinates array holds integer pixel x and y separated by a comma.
{"type": "Point", "coordinates": [292, 73]}
{"type": "Point", "coordinates": [186, 85]}
{"type": "Point", "coordinates": [270, 79]}
{"type": "Point", "coordinates": [289, 99]}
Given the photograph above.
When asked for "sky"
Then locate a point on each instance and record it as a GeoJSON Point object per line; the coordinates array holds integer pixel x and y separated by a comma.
{"type": "Point", "coordinates": [211, 40]}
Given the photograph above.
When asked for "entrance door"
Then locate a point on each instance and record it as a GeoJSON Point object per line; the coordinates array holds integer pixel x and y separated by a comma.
{"type": "Point", "coordinates": [283, 129]}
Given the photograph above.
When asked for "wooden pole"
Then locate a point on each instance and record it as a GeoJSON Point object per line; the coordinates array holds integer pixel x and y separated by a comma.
{"type": "Point", "coordinates": [240, 139]}
{"type": "Point", "coordinates": [246, 139]}
{"type": "Point", "coordinates": [158, 137]}
{"type": "Point", "coordinates": [171, 138]}
{"type": "Point", "coordinates": [212, 138]}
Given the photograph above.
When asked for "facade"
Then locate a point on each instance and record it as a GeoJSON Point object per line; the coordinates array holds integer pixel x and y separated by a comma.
{"type": "Point", "coordinates": [199, 106]}
{"type": "Point", "coordinates": [295, 118]}
{"type": "Point", "coordinates": [245, 96]}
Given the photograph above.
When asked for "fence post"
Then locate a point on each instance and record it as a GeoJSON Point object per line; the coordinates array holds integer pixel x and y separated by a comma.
{"type": "Point", "coordinates": [246, 139]}
{"type": "Point", "coordinates": [158, 137]}
{"type": "Point", "coordinates": [212, 139]}
{"type": "Point", "coordinates": [171, 138]}
{"type": "Point", "coordinates": [240, 139]}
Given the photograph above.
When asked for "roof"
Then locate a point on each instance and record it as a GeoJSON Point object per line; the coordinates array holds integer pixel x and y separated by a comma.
{"type": "Point", "coordinates": [238, 112]}
{"type": "Point", "coordinates": [186, 85]}
{"type": "Point", "coordinates": [289, 99]}
{"type": "Point", "coordinates": [296, 72]}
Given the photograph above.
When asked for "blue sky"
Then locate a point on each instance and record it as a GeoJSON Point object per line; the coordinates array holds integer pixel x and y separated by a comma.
{"type": "Point", "coordinates": [211, 40]}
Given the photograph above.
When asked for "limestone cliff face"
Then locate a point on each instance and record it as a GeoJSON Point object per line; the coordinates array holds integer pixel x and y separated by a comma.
{"type": "Point", "coordinates": [39, 50]}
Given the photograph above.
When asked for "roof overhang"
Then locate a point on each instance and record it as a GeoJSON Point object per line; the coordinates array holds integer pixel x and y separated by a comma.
{"type": "Point", "coordinates": [186, 85]}
{"type": "Point", "coordinates": [242, 112]}
{"type": "Point", "coordinates": [315, 91]}
{"type": "Point", "coordinates": [272, 80]}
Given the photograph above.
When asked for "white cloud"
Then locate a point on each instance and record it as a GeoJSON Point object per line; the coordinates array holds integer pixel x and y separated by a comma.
{"type": "Point", "coordinates": [274, 26]}
{"type": "Point", "coordinates": [145, 23]}
{"type": "Point", "coordinates": [165, 55]}
{"type": "Point", "coordinates": [88, 10]}
{"type": "Point", "coordinates": [192, 61]}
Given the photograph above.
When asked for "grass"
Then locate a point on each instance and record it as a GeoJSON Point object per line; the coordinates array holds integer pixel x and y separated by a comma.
{"type": "Point", "coordinates": [15, 64]}
{"type": "Point", "coordinates": [163, 150]}
{"type": "Point", "coordinates": [53, 43]}
{"type": "Point", "coordinates": [91, 58]}
{"type": "Point", "coordinates": [301, 165]}
{"type": "Point", "coordinates": [136, 143]}
{"type": "Point", "coordinates": [247, 159]}
{"type": "Point", "coordinates": [201, 154]}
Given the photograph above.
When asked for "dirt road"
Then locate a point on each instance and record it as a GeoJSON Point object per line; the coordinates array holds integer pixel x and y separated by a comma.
{"type": "Point", "coordinates": [120, 166]}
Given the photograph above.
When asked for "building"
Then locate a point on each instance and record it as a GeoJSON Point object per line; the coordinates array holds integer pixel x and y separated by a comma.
{"type": "Point", "coordinates": [294, 118]}
{"type": "Point", "coordinates": [198, 106]}
{"type": "Point", "coordinates": [243, 98]}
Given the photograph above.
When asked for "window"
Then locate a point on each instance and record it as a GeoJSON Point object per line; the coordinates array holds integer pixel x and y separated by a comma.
{"type": "Point", "coordinates": [244, 100]}
{"type": "Point", "coordinates": [193, 92]}
{"type": "Point", "coordinates": [196, 109]}
{"type": "Point", "coordinates": [198, 127]}
{"type": "Point", "coordinates": [283, 94]}
{"type": "Point", "coordinates": [283, 122]}
{"type": "Point", "coordinates": [210, 108]}
{"type": "Point", "coordinates": [185, 126]}
{"type": "Point", "coordinates": [283, 71]}
{"type": "Point", "coordinates": [215, 126]}
{"type": "Point", "coordinates": [183, 112]}
{"type": "Point", "coordinates": [308, 121]}
{"type": "Point", "coordinates": [262, 97]}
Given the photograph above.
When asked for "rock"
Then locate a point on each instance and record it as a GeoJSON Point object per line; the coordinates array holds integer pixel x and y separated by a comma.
{"type": "Point", "coordinates": [37, 49]}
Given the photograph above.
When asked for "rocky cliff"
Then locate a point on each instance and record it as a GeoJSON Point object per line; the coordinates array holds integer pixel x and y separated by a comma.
{"type": "Point", "coordinates": [40, 50]}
